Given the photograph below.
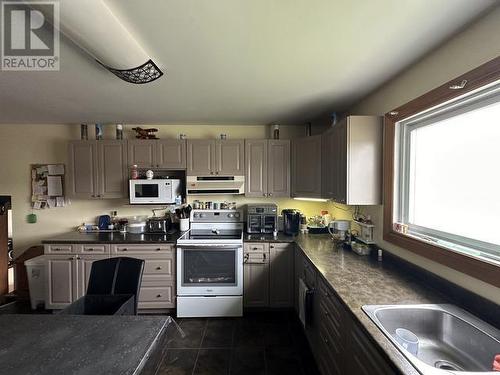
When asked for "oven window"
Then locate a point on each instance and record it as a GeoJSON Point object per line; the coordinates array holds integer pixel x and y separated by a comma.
{"type": "Point", "coordinates": [146, 191]}
{"type": "Point", "coordinates": [209, 267]}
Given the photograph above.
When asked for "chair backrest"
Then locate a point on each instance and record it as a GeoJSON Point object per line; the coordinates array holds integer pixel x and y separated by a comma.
{"type": "Point", "coordinates": [120, 275]}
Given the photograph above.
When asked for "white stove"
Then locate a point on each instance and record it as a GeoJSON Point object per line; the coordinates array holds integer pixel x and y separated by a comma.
{"type": "Point", "coordinates": [210, 265]}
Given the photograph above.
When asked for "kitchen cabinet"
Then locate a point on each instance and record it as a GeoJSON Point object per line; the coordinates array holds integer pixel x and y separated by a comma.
{"type": "Point", "coordinates": [352, 161]}
{"type": "Point", "coordinates": [306, 164]}
{"type": "Point", "coordinates": [256, 275]}
{"type": "Point", "coordinates": [267, 168]}
{"type": "Point", "coordinates": [69, 265]}
{"type": "Point", "coordinates": [67, 278]}
{"type": "Point", "coordinates": [97, 169]}
{"type": "Point", "coordinates": [215, 157]}
{"type": "Point", "coordinates": [338, 342]}
{"type": "Point", "coordinates": [158, 281]}
{"type": "Point", "coordinates": [157, 153]}
{"type": "Point", "coordinates": [281, 273]}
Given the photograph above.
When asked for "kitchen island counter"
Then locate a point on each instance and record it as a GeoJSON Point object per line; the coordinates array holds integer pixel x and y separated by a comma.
{"type": "Point", "coordinates": [73, 344]}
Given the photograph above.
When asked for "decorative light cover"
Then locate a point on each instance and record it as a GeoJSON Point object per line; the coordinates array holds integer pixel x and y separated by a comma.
{"type": "Point", "coordinates": [92, 25]}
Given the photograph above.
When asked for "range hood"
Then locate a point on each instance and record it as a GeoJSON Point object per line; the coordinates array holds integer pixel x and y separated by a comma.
{"type": "Point", "coordinates": [221, 185]}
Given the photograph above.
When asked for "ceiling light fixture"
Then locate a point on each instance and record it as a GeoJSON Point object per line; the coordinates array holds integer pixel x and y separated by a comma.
{"type": "Point", "coordinates": [93, 26]}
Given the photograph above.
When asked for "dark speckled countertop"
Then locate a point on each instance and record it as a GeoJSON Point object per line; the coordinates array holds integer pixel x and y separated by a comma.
{"type": "Point", "coordinates": [257, 237]}
{"type": "Point", "coordinates": [360, 280]}
{"type": "Point", "coordinates": [71, 344]}
{"type": "Point", "coordinates": [113, 237]}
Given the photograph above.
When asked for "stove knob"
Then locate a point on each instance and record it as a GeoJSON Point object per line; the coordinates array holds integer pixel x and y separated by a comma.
{"type": "Point", "coordinates": [202, 215]}
{"type": "Point", "coordinates": [196, 215]}
{"type": "Point", "coordinates": [237, 214]}
{"type": "Point", "coordinates": [230, 215]}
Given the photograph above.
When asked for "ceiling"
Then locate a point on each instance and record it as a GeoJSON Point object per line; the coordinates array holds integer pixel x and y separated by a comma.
{"type": "Point", "coordinates": [239, 61]}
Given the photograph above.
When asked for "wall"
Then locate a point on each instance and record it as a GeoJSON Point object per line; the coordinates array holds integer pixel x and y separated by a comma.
{"type": "Point", "coordinates": [467, 50]}
{"type": "Point", "coordinates": [22, 145]}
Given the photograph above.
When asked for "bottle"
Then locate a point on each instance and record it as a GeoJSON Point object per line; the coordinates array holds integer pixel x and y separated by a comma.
{"type": "Point", "coordinates": [276, 131]}
{"type": "Point", "coordinates": [119, 131]}
{"type": "Point", "coordinates": [98, 132]}
{"type": "Point", "coordinates": [134, 173]}
{"type": "Point", "coordinates": [84, 134]}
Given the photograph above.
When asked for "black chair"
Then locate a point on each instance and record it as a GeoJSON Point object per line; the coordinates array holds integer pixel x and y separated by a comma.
{"type": "Point", "coordinates": [113, 288]}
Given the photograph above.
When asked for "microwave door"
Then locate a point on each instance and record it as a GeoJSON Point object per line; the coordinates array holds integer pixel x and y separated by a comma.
{"type": "Point", "coordinates": [148, 191]}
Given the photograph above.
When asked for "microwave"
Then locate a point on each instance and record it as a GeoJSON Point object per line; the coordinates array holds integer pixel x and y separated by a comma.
{"type": "Point", "coordinates": [161, 191]}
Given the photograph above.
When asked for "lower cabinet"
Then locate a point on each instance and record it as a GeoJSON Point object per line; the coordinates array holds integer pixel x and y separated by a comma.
{"type": "Point", "coordinates": [68, 272]}
{"type": "Point", "coordinates": [158, 280]}
{"type": "Point", "coordinates": [67, 278]}
{"type": "Point", "coordinates": [339, 344]}
{"type": "Point", "coordinates": [268, 274]}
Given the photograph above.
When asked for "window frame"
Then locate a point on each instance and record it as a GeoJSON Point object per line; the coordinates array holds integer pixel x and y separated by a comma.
{"type": "Point", "coordinates": [472, 266]}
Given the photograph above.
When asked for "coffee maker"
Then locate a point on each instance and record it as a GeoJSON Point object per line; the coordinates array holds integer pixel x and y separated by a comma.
{"type": "Point", "coordinates": [291, 221]}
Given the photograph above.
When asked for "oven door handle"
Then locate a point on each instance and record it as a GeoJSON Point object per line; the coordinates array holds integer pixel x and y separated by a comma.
{"type": "Point", "coordinates": [211, 246]}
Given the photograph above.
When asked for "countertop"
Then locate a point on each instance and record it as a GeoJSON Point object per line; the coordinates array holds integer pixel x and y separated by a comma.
{"type": "Point", "coordinates": [258, 237]}
{"type": "Point", "coordinates": [360, 280]}
{"type": "Point", "coordinates": [112, 237]}
{"type": "Point", "coordinates": [72, 344]}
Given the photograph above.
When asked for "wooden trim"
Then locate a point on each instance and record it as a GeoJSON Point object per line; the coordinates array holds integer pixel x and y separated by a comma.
{"type": "Point", "coordinates": [476, 78]}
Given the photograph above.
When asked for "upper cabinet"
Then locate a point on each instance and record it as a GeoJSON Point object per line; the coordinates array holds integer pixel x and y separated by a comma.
{"type": "Point", "coordinates": [97, 169]}
{"type": "Point", "coordinates": [306, 163]}
{"type": "Point", "coordinates": [267, 168]}
{"type": "Point", "coordinates": [157, 153]}
{"type": "Point", "coordinates": [352, 161]}
{"type": "Point", "coordinates": [215, 157]}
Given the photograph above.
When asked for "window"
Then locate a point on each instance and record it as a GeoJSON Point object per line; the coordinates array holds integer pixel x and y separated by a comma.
{"type": "Point", "coordinates": [442, 174]}
{"type": "Point", "coordinates": [448, 174]}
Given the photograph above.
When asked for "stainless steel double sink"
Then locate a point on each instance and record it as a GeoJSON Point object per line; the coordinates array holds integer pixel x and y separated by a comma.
{"type": "Point", "coordinates": [450, 339]}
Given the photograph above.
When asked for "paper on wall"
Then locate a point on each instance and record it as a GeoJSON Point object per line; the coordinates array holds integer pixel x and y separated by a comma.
{"type": "Point", "coordinates": [37, 205]}
{"type": "Point", "coordinates": [51, 202]}
{"type": "Point", "coordinates": [55, 169]}
{"type": "Point", "coordinates": [54, 185]}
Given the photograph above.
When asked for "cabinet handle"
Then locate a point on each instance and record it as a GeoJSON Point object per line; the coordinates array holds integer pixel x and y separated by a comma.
{"type": "Point", "coordinates": [158, 268]}
{"type": "Point", "coordinates": [270, 194]}
{"type": "Point", "coordinates": [326, 341]}
{"type": "Point", "coordinates": [90, 249]}
{"type": "Point", "coordinates": [158, 249]}
{"type": "Point", "coordinates": [72, 258]}
{"type": "Point", "coordinates": [271, 247]}
{"type": "Point", "coordinates": [246, 258]}
{"type": "Point", "coordinates": [158, 296]}
{"type": "Point", "coordinates": [264, 256]}
{"type": "Point", "coordinates": [124, 249]}
{"type": "Point", "coordinates": [211, 172]}
{"type": "Point", "coordinates": [216, 172]}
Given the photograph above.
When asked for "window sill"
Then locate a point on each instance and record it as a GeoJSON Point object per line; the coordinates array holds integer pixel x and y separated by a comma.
{"type": "Point", "coordinates": [469, 265]}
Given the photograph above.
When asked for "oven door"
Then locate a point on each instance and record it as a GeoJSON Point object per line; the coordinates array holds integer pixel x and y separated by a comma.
{"type": "Point", "coordinates": [210, 270]}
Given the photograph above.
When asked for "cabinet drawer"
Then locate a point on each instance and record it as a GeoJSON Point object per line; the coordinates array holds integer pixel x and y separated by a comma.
{"type": "Point", "coordinates": [330, 350]}
{"type": "Point", "coordinates": [309, 274]}
{"type": "Point", "coordinates": [93, 249]}
{"type": "Point", "coordinates": [256, 246]}
{"type": "Point", "coordinates": [141, 249]}
{"type": "Point", "coordinates": [59, 249]}
{"type": "Point", "coordinates": [255, 257]}
{"type": "Point", "coordinates": [159, 267]}
{"type": "Point", "coordinates": [153, 297]}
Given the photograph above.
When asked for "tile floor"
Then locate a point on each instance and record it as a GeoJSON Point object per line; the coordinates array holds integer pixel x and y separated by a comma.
{"type": "Point", "coordinates": [257, 344]}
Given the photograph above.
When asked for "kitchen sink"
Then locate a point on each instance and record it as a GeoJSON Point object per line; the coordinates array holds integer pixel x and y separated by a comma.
{"type": "Point", "coordinates": [450, 340]}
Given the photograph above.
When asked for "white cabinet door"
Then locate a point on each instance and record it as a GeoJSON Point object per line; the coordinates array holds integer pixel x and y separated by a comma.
{"type": "Point", "coordinates": [61, 281]}
{"type": "Point", "coordinates": [84, 265]}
